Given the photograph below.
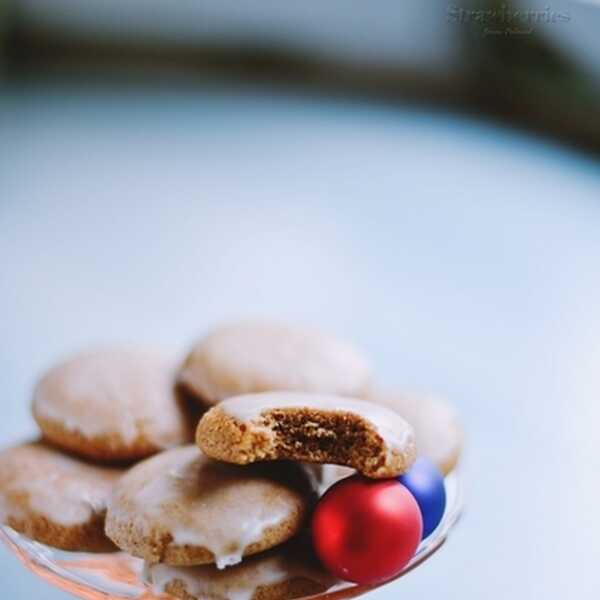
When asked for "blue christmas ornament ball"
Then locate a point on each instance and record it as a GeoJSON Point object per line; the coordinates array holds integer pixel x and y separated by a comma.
{"type": "Point", "coordinates": [426, 483]}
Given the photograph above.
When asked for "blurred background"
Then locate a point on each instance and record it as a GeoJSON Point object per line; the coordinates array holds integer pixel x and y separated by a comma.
{"type": "Point", "coordinates": [419, 178]}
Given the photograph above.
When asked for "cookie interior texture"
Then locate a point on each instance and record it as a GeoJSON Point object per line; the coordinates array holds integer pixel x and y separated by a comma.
{"type": "Point", "coordinates": [257, 356]}
{"type": "Point", "coordinates": [55, 499]}
{"type": "Point", "coordinates": [112, 404]}
{"type": "Point", "coordinates": [182, 508]}
{"type": "Point", "coordinates": [308, 427]}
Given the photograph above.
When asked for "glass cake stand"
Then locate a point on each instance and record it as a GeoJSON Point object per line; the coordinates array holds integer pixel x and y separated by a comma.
{"type": "Point", "coordinates": [118, 576]}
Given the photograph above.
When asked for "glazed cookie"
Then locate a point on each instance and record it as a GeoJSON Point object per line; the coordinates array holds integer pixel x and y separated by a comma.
{"type": "Point", "coordinates": [182, 508]}
{"type": "Point", "coordinates": [55, 499]}
{"type": "Point", "coordinates": [259, 356]}
{"type": "Point", "coordinates": [437, 429]}
{"type": "Point", "coordinates": [274, 575]}
{"type": "Point", "coordinates": [111, 404]}
{"type": "Point", "coordinates": [308, 427]}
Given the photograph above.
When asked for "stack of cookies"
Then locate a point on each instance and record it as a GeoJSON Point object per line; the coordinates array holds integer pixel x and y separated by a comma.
{"type": "Point", "coordinates": [277, 414]}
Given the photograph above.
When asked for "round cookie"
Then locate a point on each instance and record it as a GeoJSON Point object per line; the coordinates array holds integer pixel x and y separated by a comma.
{"type": "Point", "coordinates": [112, 404]}
{"type": "Point", "coordinates": [182, 508]}
{"type": "Point", "coordinates": [274, 575]}
{"type": "Point", "coordinates": [259, 356]}
{"type": "Point", "coordinates": [313, 428]}
{"type": "Point", "coordinates": [55, 499]}
{"type": "Point", "coordinates": [438, 432]}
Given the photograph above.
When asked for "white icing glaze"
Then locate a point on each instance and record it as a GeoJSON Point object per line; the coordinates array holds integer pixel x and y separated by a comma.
{"type": "Point", "coordinates": [204, 503]}
{"type": "Point", "coordinates": [437, 429]}
{"type": "Point", "coordinates": [255, 356]}
{"type": "Point", "coordinates": [397, 434]}
{"type": "Point", "coordinates": [123, 391]}
{"type": "Point", "coordinates": [236, 583]}
{"type": "Point", "coordinates": [63, 489]}
{"type": "Point", "coordinates": [207, 581]}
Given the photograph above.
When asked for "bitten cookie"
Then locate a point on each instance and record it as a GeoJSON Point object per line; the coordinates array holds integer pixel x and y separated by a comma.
{"type": "Point", "coordinates": [111, 404]}
{"type": "Point", "coordinates": [274, 575]}
{"type": "Point", "coordinates": [182, 508]}
{"type": "Point", "coordinates": [438, 432]}
{"type": "Point", "coordinates": [55, 499]}
{"type": "Point", "coordinates": [308, 427]}
{"type": "Point", "coordinates": [258, 356]}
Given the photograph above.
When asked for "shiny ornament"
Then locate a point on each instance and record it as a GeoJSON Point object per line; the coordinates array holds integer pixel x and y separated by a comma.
{"type": "Point", "coordinates": [366, 530]}
{"type": "Point", "coordinates": [426, 483]}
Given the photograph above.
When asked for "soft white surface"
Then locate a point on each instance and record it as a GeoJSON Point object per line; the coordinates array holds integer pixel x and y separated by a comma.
{"type": "Point", "coordinates": [463, 258]}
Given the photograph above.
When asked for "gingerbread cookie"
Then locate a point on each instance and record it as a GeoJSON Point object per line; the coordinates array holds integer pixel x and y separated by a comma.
{"type": "Point", "coordinates": [258, 356]}
{"type": "Point", "coordinates": [112, 404]}
{"type": "Point", "coordinates": [279, 574]}
{"type": "Point", "coordinates": [308, 427]}
{"type": "Point", "coordinates": [55, 499]}
{"type": "Point", "coordinates": [182, 508]}
{"type": "Point", "coordinates": [438, 432]}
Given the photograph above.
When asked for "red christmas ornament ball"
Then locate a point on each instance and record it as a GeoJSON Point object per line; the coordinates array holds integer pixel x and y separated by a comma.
{"type": "Point", "coordinates": [366, 530]}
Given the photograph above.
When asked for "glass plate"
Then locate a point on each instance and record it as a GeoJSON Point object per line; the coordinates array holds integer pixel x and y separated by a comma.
{"type": "Point", "coordinates": [118, 576]}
